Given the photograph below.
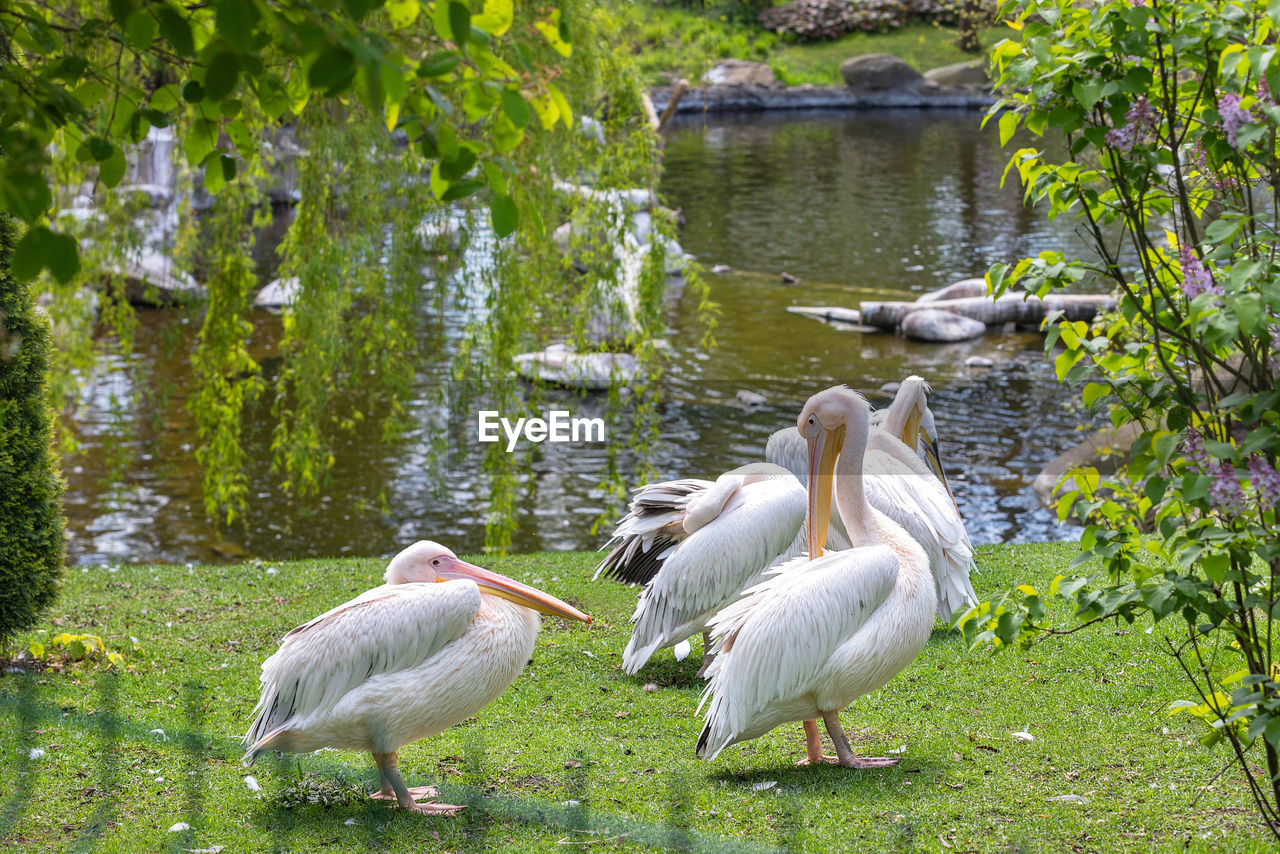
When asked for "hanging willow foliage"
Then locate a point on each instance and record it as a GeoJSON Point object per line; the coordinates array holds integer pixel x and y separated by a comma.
{"type": "Point", "coordinates": [367, 315]}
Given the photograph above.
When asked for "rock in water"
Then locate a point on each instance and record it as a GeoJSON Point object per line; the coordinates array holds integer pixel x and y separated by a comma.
{"type": "Point", "coordinates": [279, 293]}
{"type": "Point", "coordinates": [957, 290]}
{"type": "Point", "coordinates": [930, 324]}
{"type": "Point", "coordinates": [970, 75]}
{"type": "Point", "coordinates": [738, 72]}
{"type": "Point", "coordinates": [876, 72]}
{"type": "Point", "coordinates": [561, 365]}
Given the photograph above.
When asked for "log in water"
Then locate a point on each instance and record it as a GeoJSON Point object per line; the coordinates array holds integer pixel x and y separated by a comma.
{"type": "Point", "coordinates": [1017, 307]}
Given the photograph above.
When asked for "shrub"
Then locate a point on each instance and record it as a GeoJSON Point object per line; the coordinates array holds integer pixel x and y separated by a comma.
{"type": "Point", "coordinates": [815, 20]}
{"type": "Point", "coordinates": [1170, 117]}
{"type": "Point", "coordinates": [31, 538]}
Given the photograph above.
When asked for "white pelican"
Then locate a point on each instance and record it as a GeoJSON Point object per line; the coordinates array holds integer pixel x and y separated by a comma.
{"type": "Point", "coordinates": [820, 633]}
{"type": "Point", "coordinates": [910, 488]}
{"type": "Point", "coordinates": [695, 545]}
{"type": "Point", "coordinates": [400, 662]}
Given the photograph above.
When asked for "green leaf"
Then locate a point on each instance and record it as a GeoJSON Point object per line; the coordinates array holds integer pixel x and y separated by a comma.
{"type": "Point", "coordinates": [193, 92]}
{"type": "Point", "coordinates": [140, 29]}
{"type": "Point", "coordinates": [516, 108]}
{"type": "Point", "coordinates": [402, 12]}
{"type": "Point", "coordinates": [503, 214]}
{"type": "Point", "coordinates": [111, 170]}
{"type": "Point", "coordinates": [24, 194]}
{"type": "Point", "coordinates": [1215, 566]}
{"type": "Point", "coordinates": [333, 70]}
{"type": "Point", "coordinates": [461, 190]}
{"type": "Point", "coordinates": [221, 77]}
{"type": "Point", "coordinates": [235, 22]}
{"type": "Point", "coordinates": [496, 18]}
{"type": "Point", "coordinates": [459, 22]}
{"type": "Point", "coordinates": [215, 177]}
{"type": "Point", "coordinates": [1087, 92]}
{"type": "Point", "coordinates": [1008, 126]}
{"type": "Point", "coordinates": [40, 248]}
{"type": "Point", "coordinates": [439, 64]}
{"type": "Point", "coordinates": [175, 30]}
{"type": "Point", "coordinates": [460, 164]}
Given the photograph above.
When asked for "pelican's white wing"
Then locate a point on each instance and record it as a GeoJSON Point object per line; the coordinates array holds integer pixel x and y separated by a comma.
{"type": "Point", "coordinates": [904, 489]}
{"type": "Point", "coordinates": [772, 645]}
{"type": "Point", "coordinates": [389, 628]}
{"type": "Point", "coordinates": [740, 525]}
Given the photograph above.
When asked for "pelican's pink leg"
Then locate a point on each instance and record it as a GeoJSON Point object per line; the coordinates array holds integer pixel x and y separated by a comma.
{"type": "Point", "coordinates": [393, 787]}
{"type": "Point", "coordinates": [813, 746]}
{"type": "Point", "coordinates": [845, 751]}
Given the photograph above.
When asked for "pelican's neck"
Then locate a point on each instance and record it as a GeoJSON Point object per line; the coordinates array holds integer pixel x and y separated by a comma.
{"type": "Point", "coordinates": [850, 496]}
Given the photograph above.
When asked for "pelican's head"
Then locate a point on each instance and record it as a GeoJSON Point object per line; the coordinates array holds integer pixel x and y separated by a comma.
{"type": "Point", "coordinates": [824, 422]}
{"type": "Point", "coordinates": [910, 420]}
{"type": "Point", "coordinates": [427, 561]}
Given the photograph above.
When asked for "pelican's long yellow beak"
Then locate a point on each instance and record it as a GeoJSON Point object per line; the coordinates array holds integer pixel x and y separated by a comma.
{"type": "Point", "coordinates": [823, 451]}
{"type": "Point", "coordinates": [510, 589]}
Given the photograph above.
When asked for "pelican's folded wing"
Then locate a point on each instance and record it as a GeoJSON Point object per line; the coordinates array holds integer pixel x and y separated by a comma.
{"type": "Point", "coordinates": [386, 629]}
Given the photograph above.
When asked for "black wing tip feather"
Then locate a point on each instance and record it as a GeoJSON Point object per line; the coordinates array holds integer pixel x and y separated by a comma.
{"type": "Point", "coordinates": [628, 564]}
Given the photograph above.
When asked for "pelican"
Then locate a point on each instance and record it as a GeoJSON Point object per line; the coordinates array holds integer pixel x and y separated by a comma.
{"type": "Point", "coordinates": [403, 661]}
{"type": "Point", "coordinates": [695, 545]}
{"type": "Point", "coordinates": [819, 633]}
{"type": "Point", "coordinates": [910, 488]}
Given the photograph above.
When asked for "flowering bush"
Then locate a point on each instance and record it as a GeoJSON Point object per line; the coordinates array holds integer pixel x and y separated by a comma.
{"type": "Point", "coordinates": [1171, 166]}
{"type": "Point", "coordinates": [814, 20]}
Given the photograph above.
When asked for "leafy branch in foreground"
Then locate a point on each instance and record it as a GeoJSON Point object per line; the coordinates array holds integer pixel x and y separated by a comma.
{"type": "Point", "coordinates": [1172, 168]}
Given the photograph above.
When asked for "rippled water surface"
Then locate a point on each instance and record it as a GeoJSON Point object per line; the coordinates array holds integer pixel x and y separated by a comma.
{"type": "Point", "coordinates": [868, 205]}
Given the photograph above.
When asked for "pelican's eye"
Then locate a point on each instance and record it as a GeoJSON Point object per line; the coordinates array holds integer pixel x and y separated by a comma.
{"type": "Point", "coordinates": [435, 562]}
{"type": "Point", "coordinates": [812, 421]}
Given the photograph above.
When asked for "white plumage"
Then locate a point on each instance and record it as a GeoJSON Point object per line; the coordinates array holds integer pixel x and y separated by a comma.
{"type": "Point", "coordinates": [695, 544]}
{"type": "Point", "coordinates": [817, 634]}
{"type": "Point", "coordinates": [403, 661]}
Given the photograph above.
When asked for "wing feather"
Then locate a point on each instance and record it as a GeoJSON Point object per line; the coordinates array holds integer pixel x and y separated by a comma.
{"type": "Point", "coordinates": [387, 629]}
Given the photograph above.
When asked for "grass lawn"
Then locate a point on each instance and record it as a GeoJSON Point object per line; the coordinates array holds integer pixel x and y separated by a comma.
{"type": "Point", "coordinates": [578, 756]}
{"type": "Point", "coordinates": [671, 42]}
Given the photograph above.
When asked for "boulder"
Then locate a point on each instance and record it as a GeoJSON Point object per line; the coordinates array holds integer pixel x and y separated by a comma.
{"type": "Point", "coordinates": [1105, 450]}
{"type": "Point", "coordinates": [930, 324]}
{"type": "Point", "coordinates": [957, 290]}
{"type": "Point", "coordinates": [739, 72]}
{"type": "Point", "coordinates": [979, 362]}
{"type": "Point", "coordinates": [279, 293]}
{"type": "Point", "coordinates": [751, 399]}
{"type": "Point", "coordinates": [970, 75]}
{"type": "Point", "coordinates": [559, 364]}
{"type": "Point", "coordinates": [876, 72]}
{"type": "Point", "coordinates": [152, 279]}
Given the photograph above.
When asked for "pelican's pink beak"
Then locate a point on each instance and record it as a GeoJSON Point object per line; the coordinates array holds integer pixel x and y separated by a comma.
{"type": "Point", "coordinates": [509, 588]}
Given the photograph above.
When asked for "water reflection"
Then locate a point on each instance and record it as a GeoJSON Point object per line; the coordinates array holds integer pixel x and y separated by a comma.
{"type": "Point", "coordinates": [857, 205]}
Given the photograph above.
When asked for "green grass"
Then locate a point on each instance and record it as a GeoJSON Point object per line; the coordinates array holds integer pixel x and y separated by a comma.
{"type": "Point", "coordinates": [578, 756]}
{"type": "Point", "coordinates": [671, 42]}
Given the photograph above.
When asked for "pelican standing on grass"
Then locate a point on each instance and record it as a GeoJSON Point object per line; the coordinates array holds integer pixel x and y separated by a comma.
{"type": "Point", "coordinates": [403, 661]}
{"type": "Point", "coordinates": [695, 545]}
{"type": "Point", "coordinates": [819, 633]}
{"type": "Point", "coordinates": [909, 487]}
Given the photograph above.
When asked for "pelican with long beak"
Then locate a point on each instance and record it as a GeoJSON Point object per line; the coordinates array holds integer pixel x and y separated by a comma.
{"type": "Point", "coordinates": [909, 487]}
{"type": "Point", "coordinates": [824, 630]}
{"type": "Point", "coordinates": [403, 661]}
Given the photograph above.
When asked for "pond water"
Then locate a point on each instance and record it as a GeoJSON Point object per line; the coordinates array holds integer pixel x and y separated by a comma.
{"type": "Point", "coordinates": [863, 205]}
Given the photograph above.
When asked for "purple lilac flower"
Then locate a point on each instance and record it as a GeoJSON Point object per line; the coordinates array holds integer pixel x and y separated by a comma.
{"type": "Point", "coordinates": [1266, 480]}
{"type": "Point", "coordinates": [1264, 92]}
{"type": "Point", "coordinates": [1221, 182]}
{"type": "Point", "coordinates": [1225, 492]}
{"type": "Point", "coordinates": [1233, 116]}
{"type": "Point", "coordinates": [1196, 278]}
{"type": "Point", "coordinates": [1139, 117]}
{"type": "Point", "coordinates": [1194, 444]}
